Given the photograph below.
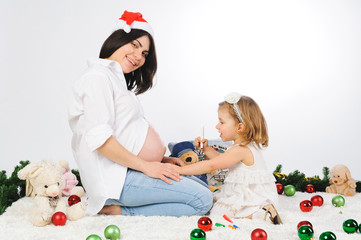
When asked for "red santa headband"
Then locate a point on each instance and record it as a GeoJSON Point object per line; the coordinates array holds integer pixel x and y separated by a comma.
{"type": "Point", "coordinates": [132, 20]}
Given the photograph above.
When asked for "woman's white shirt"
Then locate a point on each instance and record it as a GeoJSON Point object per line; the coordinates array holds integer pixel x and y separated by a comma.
{"type": "Point", "coordinates": [101, 107]}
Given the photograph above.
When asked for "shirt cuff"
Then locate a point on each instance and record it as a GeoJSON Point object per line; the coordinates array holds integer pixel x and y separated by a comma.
{"type": "Point", "coordinates": [97, 136]}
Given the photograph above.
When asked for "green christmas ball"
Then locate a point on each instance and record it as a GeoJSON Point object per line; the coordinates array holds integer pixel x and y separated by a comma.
{"type": "Point", "coordinates": [327, 236]}
{"type": "Point", "coordinates": [198, 234]}
{"type": "Point", "coordinates": [359, 227]}
{"type": "Point", "coordinates": [290, 190]}
{"type": "Point", "coordinates": [305, 232]}
{"type": "Point", "coordinates": [93, 237]}
{"type": "Point", "coordinates": [112, 232]}
{"type": "Point", "coordinates": [338, 201]}
{"type": "Point", "coordinates": [350, 226]}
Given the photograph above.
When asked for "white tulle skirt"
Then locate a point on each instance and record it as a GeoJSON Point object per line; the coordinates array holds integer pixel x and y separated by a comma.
{"type": "Point", "coordinates": [244, 192]}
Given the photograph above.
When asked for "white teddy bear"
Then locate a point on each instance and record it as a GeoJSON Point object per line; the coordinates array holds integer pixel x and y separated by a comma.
{"type": "Point", "coordinates": [46, 179]}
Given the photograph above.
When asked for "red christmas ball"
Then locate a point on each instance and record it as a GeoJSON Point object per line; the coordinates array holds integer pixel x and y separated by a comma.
{"type": "Point", "coordinates": [306, 206]}
{"type": "Point", "coordinates": [59, 219]}
{"type": "Point", "coordinates": [280, 188]}
{"type": "Point", "coordinates": [317, 200]}
{"type": "Point", "coordinates": [310, 188]}
{"type": "Point", "coordinates": [205, 223]}
{"type": "Point", "coordinates": [73, 199]}
{"type": "Point", "coordinates": [259, 234]}
{"type": "Point", "coordinates": [304, 223]}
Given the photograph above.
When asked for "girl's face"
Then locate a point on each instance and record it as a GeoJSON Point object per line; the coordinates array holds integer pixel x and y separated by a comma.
{"type": "Point", "coordinates": [132, 56]}
{"type": "Point", "coordinates": [227, 126]}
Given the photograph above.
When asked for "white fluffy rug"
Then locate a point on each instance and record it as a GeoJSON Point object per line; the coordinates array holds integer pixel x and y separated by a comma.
{"type": "Point", "coordinates": [14, 223]}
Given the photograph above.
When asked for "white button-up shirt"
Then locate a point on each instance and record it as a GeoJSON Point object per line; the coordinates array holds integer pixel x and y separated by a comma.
{"type": "Point", "coordinates": [102, 107]}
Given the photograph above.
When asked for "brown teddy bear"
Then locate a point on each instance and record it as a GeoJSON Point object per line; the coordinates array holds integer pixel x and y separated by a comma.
{"type": "Point", "coordinates": [185, 152]}
{"type": "Point", "coordinates": [341, 181]}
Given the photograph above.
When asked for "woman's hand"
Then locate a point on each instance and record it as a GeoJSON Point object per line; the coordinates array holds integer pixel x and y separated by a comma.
{"type": "Point", "coordinates": [173, 160]}
{"type": "Point", "coordinates": [162, 171]}
{"type": "Point", "coordinates": [197, 143]}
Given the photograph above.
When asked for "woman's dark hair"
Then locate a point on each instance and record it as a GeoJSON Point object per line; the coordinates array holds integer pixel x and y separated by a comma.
{"type": "Point", "coordinates": [142, 78]}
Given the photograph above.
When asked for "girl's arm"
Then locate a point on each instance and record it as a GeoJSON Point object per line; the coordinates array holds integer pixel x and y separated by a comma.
{"type": "Point", "coordinates": [222, 161]}
{"type": "Point", "coordinates": [113, 150]}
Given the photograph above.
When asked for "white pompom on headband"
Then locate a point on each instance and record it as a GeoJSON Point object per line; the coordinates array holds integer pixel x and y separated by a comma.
{"type": "Point", "coordinates": [233, 98]}
{"type": "Point", "coordinates": [133, 20]}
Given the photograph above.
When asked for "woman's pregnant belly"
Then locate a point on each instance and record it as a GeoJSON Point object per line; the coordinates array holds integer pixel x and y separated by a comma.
{"type": "Point", "coordinates": [153, 149]}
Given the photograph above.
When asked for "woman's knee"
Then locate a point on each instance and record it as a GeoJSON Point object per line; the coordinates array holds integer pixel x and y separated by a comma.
{"type": "Point", "coordinates": [206, 202]}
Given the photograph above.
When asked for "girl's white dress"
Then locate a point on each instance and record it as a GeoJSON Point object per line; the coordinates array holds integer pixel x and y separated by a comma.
{"type": "Point", "coordinates": [246, 189]}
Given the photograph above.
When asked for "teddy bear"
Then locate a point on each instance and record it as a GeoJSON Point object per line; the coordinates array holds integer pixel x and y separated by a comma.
{"type": "Point", "coordinates": [46, 180]}
{"type": "Point", "coordinates": [341, 181]}
{"type": "Point", "coordinates": [69, 183]}
{"type": "Point", "coordinates": [185, 152]}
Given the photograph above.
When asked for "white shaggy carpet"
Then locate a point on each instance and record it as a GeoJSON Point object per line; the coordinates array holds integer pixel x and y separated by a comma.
{"type": "Point", "coordinates": [14, 223]}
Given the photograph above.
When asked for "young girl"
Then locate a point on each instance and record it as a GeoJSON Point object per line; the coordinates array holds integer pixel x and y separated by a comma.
{"type": "Point", "coordinates": [249, 186]}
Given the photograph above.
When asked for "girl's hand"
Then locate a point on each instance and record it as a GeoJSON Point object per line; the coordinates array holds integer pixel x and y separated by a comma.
{"type": "Point", "coordinates": [173, 160]}
{"type": "Point", "coordinates": [197, 143]}
{"type": "Point", "coordinates": [162, 171]}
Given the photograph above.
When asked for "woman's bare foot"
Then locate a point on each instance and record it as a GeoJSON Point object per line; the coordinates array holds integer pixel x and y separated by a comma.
{"type": "Point", "coordinates": [111, 210]}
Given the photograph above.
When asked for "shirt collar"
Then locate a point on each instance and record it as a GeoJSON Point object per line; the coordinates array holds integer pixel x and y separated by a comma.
{"type": "Point", "coordinates": [115, 66]}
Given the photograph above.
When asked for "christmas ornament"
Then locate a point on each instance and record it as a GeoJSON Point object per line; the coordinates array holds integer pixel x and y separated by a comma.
{"type": "Point", "coordinates": [306, 206]}
{"type": "Point", "coordinates": [327, 236]}
{"type": "Point", "coordinates": [359, 227]}
{"type": "Point", "coordinates": [112, 232]}
{"type": "Point", "coordinates": [259, 234]}
{"type": "Point", "coordinates": [73, 199]}
{"type": "Point", "coordinates": [280, 188]}
{"type": "Point", "coordinates": [290, 190]}
{"type": "Point", "coordinates": [338, 201]}
{"type": "Point", "coordinates": [93, 237]}
{"type": "Point", "coordinates": [317, 200]}
{"type": "Point", "coordinates": [305, 232]}
{"type": "Point", "coordinates": [304, 223]}
{"type": "Point", "coordinates": [205, 223]}
{"type": "Point", "coordinates": [310, 188]}
{"type": "Point", "coordinates": [350, 226]}
{"type": "Point", "coordinates": [59, 219]}
{"type": "Point", "coordinates": [198, 234]}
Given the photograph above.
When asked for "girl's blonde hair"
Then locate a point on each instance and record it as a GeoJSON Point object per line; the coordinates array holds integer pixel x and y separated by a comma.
{"type": "Point", "coordinates": [254, 121]}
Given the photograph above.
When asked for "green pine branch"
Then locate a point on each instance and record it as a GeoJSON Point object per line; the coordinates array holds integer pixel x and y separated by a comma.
{"type": "Point", "coordinates": [300, 181]}
{"type": "Point", "coordinates": [12, 188]}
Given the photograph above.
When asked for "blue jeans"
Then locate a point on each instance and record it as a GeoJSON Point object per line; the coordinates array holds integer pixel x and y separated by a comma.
{"type": "Point", "coordinates": [143, 195]}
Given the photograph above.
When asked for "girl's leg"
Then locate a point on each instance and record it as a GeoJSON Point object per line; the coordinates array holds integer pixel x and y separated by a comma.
{"type": "Point", "coordinates": [147, 196]}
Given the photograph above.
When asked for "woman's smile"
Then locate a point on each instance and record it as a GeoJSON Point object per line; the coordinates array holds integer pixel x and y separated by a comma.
{"type": "Point", "coordinates": [131, 61]}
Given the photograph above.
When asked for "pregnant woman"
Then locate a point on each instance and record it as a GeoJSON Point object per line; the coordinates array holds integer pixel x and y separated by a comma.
{"type": "Point", "coordinates": [119, 154]}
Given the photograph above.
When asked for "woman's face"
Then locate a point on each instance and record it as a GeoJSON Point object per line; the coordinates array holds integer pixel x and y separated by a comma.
{"type": "Point", "coordinates": [132, 56]}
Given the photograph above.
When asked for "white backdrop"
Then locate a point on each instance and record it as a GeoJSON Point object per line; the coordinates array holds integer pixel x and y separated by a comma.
{"type": "Point", "coordinates": [300, 60]}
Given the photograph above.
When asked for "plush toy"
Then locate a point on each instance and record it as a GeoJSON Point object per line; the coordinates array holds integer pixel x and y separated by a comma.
{"type": "Point", "coordinates": [70, 181]}
{"type": "Point", "coordinates": [341, 181]}
{"type": "Point", "coordinates": [185, 152]}
{"type": "Point", "coordinates": [47, 181]}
